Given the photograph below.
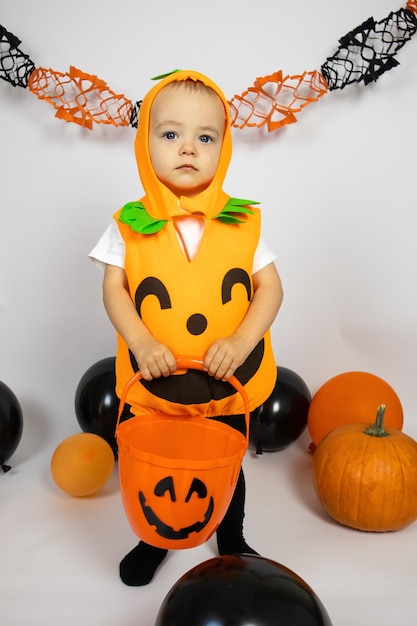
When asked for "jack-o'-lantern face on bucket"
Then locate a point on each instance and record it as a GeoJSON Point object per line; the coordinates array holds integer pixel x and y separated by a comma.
{"type": "Point", "coordinates": [195, 503]}
{"type": "Point", "coordinates": [156, 302]}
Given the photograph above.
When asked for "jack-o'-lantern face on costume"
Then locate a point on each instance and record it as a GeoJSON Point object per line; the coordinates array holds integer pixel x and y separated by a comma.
{"type": "Point", "coordinates": [165, 307]}
{"type": "Point", "coordinates": [188, 303]}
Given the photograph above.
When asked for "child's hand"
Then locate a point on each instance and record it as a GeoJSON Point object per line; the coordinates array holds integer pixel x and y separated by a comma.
{"type": "Point", "coordinates": [225, 355]}
{"type": "Point", "coordinates": [154, 359]}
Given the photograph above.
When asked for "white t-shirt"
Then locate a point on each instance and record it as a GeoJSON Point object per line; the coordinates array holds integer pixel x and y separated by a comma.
{"type": "Point", "coordinates": [110, 249]}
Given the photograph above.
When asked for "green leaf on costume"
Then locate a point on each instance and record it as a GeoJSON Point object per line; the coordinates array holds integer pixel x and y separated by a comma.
{"type": "Point", "coordinates": [135, 215]}
{"type": "Point", "coordinates": [234, 206]}
{"type": "Point", "coordinates": [161, 76]}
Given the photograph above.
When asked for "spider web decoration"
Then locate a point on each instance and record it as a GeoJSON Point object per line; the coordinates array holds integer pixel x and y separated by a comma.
{"type": "Point", "coordinates": [368, 51]}
{"type": "Point", "coordinates": [15, 66]}
{"type": "Point", "coordinates": [272, 101]}
{"type": "Point", "coordinates": [81, 98]}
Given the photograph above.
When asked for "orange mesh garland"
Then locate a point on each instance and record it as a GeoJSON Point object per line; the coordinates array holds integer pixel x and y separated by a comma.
{"type": "Point", "coordinates": [81, 98]}
{"type": "Point", "coordinates": [273, 100]}
{"type": "Point", "coordinates": [412, 6]}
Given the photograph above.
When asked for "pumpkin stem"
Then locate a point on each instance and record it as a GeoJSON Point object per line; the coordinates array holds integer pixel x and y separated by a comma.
{"type": "Point", "coordinates": [377, 429]}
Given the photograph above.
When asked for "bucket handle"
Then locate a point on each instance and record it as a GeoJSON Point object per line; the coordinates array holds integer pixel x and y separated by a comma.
{"type": "Point", "coordinates": [188, 362]}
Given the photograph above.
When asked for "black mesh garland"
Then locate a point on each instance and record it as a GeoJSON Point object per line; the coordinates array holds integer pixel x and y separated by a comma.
{"type": "Point", "coordinates": [368, 51]}
{"type": "Point", "coordinates": [15, 66]}
{"type": "Point", "coordinates": [135, 114]}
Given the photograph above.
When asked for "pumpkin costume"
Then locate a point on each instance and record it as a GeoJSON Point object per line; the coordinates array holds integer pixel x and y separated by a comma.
{"type": "Point", "coordinates": [185, 304]}
{"type": "Point", "coordinates": [189, 302]}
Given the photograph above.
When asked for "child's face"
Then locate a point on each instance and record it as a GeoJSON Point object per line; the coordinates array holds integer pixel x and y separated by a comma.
{"type": "Point", "coordinates": [185, 138]}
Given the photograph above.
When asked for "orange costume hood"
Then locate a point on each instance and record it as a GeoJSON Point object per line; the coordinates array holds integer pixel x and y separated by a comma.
{"type": "Point", "coordinates": [160, 203]}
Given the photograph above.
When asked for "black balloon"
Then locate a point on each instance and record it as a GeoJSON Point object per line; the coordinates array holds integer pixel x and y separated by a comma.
{"type": "Point", "coordinates": [11, 424]}
{"type": "Point", "coordinates": [96, 403]}
{"type": "Point", "coordinates": [240, 590]}
{"type": "Point", "coordinates": [281, 419]}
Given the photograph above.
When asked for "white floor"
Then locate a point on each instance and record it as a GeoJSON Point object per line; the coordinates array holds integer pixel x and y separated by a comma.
{"type": "Point", "coordinates": [59, 555]}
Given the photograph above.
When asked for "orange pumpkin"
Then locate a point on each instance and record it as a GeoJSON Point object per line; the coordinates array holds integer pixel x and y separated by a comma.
{"type": "Point", "coordinates": [351, 397]}
{"type": "Point", "coordinates": [366, 476]}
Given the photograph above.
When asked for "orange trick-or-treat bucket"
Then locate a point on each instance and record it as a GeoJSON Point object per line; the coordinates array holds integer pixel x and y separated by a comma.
{"type": "Point", "coordinates": [178, 474]}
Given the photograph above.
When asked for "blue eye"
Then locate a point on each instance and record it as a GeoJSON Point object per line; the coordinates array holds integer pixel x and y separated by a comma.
{"type": "Point", "coordinates": [170, 135]}
{"type": "Point", "coordinates": [205, 139]}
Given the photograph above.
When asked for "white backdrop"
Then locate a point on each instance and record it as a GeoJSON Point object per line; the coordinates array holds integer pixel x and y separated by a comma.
{"type": "Point", "coordinates": [337, 191]}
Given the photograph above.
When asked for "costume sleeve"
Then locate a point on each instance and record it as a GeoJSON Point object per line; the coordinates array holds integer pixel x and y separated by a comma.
{"type": "Point", "coordinates": [110, 248]}
{"type": "Point", "coordinates": [263, 256]}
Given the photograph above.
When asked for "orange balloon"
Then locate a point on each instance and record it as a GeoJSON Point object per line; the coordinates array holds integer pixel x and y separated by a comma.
{"type": "Point", "coordinates": [82, 464]}
{"type": "Point", "coordinates": [352, 397]}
